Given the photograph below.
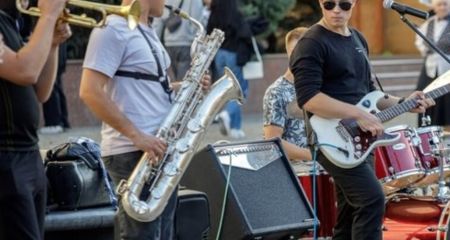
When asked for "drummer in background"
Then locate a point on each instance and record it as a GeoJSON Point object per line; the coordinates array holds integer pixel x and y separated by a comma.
{"type": "Point", "coordinates": [282, 116]}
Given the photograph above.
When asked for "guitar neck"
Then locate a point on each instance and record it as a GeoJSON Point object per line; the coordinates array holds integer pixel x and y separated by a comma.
{"type": "Point", "coordinates": [407, 105]}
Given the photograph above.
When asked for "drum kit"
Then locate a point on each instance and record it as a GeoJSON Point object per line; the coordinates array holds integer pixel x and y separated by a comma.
{"type": "Point", "coordinates": [414, 174]}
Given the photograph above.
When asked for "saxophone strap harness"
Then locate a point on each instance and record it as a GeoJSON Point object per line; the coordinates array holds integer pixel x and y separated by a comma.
{"type": "Point", "coordinates": [161, 77]}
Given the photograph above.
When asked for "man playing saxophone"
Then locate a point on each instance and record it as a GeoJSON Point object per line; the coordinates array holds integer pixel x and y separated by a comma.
{"type": "Point", "coordinates": [27, 74]}
{"type": "Point", "coordinates": [125, 84]}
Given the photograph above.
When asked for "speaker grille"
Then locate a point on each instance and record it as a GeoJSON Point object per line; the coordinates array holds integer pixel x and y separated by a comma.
{"type": "Point", "coordinates": [265, 202]}
{"type": "Point", "coordinates": [268, 196]}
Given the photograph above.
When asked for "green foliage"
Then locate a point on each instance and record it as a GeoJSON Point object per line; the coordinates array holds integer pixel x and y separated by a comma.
{"type": "Point", "coordinates": [273, 10]}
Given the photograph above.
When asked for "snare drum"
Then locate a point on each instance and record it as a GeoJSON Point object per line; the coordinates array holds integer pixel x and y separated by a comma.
{"type": "Point", "coordinates": [425, 149]}
{"type": "Point", "coordinates": [397, 166]}
{"type": "Point", "coordinates": [409, 217]}
{"type": "Point", "coordinates": [325, 196]}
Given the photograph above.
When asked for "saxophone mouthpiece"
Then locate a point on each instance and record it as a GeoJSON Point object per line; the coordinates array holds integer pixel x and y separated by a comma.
{"type": "Point", "coordinates": [177, 11]}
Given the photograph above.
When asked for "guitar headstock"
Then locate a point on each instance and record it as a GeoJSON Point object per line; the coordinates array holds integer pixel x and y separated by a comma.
{"type": "Point", "coordinates": [441, 81]}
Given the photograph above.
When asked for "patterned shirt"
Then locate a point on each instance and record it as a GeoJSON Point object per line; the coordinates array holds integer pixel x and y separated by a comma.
{"type": "Point", "coordinates": [280, 109]}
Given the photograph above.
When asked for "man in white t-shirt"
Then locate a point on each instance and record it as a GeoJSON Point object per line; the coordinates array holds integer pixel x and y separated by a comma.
{"type": "Point", "coordinates": [125, 84]}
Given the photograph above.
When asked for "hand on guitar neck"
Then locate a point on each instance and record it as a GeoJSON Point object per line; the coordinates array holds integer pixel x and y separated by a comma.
{"type": "Point", "coordinates": [422, 102]}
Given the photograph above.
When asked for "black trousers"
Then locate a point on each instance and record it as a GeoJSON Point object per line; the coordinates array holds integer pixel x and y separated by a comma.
{"type": "Point", "coordinates": [55, 109]}
{"type": "Point", "coordinates": [360, 200]}
{"type": "Point", "coordinates": [22, 195]}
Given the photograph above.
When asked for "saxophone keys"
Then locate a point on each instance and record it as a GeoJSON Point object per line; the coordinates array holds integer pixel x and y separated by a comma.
{"type": "Point", "coordinates": [183, 145]}
{"type": "Point", "coordinates": [195, 125]}
{"type": "Point", "coordinates": [170, 169]}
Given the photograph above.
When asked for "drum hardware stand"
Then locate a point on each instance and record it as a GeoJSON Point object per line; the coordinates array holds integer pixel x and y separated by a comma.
{"type": "Point", "coordinates": [426, 120]}
{"type": "Point", "coordinates": [443, 191]}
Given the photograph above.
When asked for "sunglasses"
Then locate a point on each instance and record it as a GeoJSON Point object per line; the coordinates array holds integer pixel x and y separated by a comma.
{"type": "Point", "coordinates": [330, 5]}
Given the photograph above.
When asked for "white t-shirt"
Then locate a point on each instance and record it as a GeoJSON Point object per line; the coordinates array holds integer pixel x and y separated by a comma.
{"type": "Point", "coordinates": [145, 103]}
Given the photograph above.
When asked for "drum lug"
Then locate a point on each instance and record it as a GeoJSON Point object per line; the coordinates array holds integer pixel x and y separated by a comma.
{"type": "Point", "coordinates": [419, 165]}
{"type": "Point", "coordinates": [434, 229]}
{"type": "Point", "coordinates": [392, 171]}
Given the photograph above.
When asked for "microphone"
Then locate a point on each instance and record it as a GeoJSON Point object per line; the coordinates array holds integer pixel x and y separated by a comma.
{"type": "Point", "coordinates": [404, 9]}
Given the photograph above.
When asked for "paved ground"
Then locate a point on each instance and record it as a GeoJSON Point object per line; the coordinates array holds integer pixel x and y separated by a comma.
{"type": "Point", "coordinates": [252, 125]}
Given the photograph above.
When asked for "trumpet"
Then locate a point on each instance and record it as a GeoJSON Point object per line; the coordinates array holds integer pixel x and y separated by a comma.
{"type": "Point", "coordinates": [131, 12]}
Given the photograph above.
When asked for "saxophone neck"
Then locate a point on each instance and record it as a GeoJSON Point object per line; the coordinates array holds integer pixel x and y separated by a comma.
{"type": "Point", "coordinates": [185, 15]}
{"type": "Point", "coordinates": [200, 29]}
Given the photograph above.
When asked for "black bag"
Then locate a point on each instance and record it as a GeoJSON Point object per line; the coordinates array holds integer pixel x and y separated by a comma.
{"type": "Point", "coordinates": [76, 175]}
{"type": "Point", "coordinates": [173, 22]}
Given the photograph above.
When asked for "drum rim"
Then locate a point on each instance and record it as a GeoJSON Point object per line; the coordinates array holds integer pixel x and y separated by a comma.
{"type": "Point", "coordinates": [407, 173]}
{"type": "Point", "coordinates": [397, 128]}
{"type": "Point", "coordinates": [428, 128]}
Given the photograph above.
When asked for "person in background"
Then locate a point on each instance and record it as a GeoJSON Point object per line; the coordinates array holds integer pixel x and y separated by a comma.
{"type": "Point", "coordinates": [437, 29]}
{"type": "Point", "coordinates": [178, 41]}
{"type": "Point", "coordinates": [281, 115]}
{"type": "Point", "coordinates": [235, 51]}
{"type": "Point", "coordinates": [27, 75]}
{"type": "Point", "coordinates": [55, 109]}
{"type": "Point", "coordinates": [206, 12]}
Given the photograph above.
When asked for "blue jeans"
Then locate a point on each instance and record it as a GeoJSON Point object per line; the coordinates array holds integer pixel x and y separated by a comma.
{"type": "Point", "coordinates": [120, 167]}
{"type": "Point", "coordinates": [225, 58]}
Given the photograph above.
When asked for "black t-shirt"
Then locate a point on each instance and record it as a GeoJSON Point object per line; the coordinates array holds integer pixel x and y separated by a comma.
{"type": "Point", "coordinates": [327, 62]}
{"type": "Point", "coordinates": [19, 109]}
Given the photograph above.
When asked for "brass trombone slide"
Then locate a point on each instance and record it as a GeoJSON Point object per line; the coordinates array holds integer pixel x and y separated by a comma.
{"type": "Point", "coordinates": [131, 12]}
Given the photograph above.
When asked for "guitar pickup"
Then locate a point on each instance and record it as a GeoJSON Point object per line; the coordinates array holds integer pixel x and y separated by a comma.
{"type": "Point", "coordinates": [343, 133]}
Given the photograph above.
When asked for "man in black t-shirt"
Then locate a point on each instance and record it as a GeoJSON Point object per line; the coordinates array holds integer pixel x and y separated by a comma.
{"type": "Point", "coordinates": [27, 74]}
{"type": "Point", "coordinates": [331, 75]}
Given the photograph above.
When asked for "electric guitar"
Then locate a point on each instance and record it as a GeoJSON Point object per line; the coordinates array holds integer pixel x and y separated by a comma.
{"type": "Point", "coordinates": [346, 145]}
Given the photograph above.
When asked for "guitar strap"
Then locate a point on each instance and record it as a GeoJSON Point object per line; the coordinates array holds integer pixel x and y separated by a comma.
{"type": "Point", "coordinates": [358, 41]}
{"type": "Point", "coordinates": [311, 137]}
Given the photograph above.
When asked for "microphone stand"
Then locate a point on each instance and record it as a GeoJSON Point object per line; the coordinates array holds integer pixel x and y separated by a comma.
{"type": "Point", "coordinates": [432, 45]}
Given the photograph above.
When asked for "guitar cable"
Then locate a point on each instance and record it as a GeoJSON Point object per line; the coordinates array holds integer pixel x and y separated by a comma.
{"type": "Point", "coordinates": [315, 150]}
{"type": "Point", "coordinates": [225, 195]}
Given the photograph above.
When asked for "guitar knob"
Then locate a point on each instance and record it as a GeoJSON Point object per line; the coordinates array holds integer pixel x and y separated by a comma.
{"type": "Point", "coordinates": [357, 139]}
{"type": "Point", "coordinates": [358, 146]}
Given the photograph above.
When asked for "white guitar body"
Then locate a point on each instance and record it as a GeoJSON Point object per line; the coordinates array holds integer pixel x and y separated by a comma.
{"type": "Point", "coordinates": [343, 142]}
